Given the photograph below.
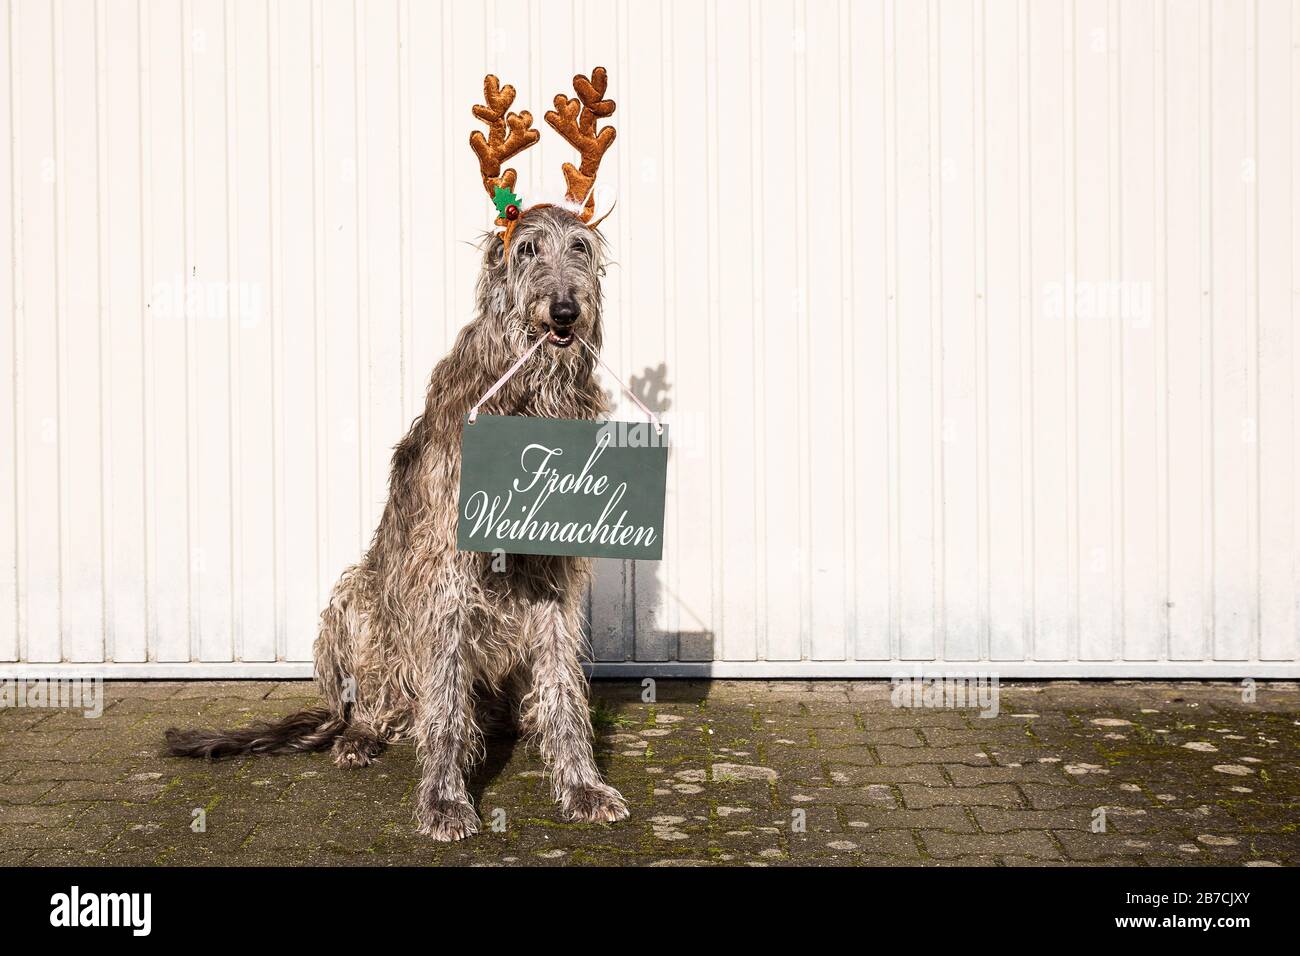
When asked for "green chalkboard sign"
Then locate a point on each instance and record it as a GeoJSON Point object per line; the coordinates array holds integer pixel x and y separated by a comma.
{"type": "Point", "coordinates": [559, 486]}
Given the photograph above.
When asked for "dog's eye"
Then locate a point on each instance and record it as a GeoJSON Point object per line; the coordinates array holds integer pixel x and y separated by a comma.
{"type": "Point", "coordinates": [526, 250]}
{"type": "Point", "coordinates": [579, 245]}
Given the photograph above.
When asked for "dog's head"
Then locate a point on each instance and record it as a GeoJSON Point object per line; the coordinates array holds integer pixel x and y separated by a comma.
{"type": "Point", "coordinates": [542, 266]}
{"type": "Point", "coordinates": [548, 282]}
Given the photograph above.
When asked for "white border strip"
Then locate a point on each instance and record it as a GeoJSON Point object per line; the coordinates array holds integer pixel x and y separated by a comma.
{"type": "Point", "coordinates": [770, 670]}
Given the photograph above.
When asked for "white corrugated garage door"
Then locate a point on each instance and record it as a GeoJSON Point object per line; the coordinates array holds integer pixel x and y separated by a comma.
{"type": "Point", "coordinates": [976, 323]}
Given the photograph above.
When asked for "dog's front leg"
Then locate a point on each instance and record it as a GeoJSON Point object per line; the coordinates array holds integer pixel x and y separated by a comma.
{"type": "Point", "coordinates": [556, 711]}
{"type": "Point", "coordinates": [444, 731]}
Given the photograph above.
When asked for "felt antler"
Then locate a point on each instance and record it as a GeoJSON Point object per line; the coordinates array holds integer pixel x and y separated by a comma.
{"type": "Point", "coordinates": [575, 120]}
{"type": "Point", "coordinates": [508, 135]}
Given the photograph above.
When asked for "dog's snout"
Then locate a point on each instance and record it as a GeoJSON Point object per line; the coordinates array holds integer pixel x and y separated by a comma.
{"type": "Point", "coordinates": [564, 312]}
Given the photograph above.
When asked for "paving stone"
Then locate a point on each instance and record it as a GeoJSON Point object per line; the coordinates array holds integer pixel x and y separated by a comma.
{"type": "Point", "coordinates": [897, 737]}
{"type": "Point", "coordinates": [993, 820]}
{"type": "Point", "coordinates": [81, 790]}
{"type": "Point", "coordinates": [971, 754]}
{"type": "Point", "coordinates": [821, 718]}
{"type": "Point", "coordinates": [43, 839]}
{"type": "Point", "coordinates": [806, 767]}
{"type": "Point", "coordinates": [967, 776]}
{"type": "Point", "coordinates": [119, 708]}
{"type": "Point", "coordinates": [218, 689]}
{"type": "Point", "coordinates": [1086, 845]}
{"type": "Point", "coordinates": [17, 817]}
{"type": "Point", "coordinates": [920, 719]}
{"type": "Point", "coordinates": [899, 844]}
{"type": "Point", "coordinates": [854, 776]}
{"type": "Point", "coordinates": [961, 736]}
{"type": "Point", "coordinates": [70, 720]}
{"type": "Point", "coordinates": [51, 773]}
{"type": "Point", "coordinates": [863, 756]}
{"type": "Point", "coordinates": [954, 819]}
{"type": "Point", "coordinates": [871, 795]}
{"type": "Point", "coordinates": [1034, 844]}
{"type": "Point", "coordinates": [1031, 861]}
{"type": "Point", "coordinates": [829, 738]}
{"type": "Point", "coordinates": [713, 771]}
{"type": "Point", "coordinates": [973, 860]}
{"type": "Point", "coordinates": [85, 857]}
{"type": "Point", "coordinates": [26, 793]}
{"type": "Point", "coordinates": [918, 797]}
{"type": "Point", "coordinates": [1055, 796]}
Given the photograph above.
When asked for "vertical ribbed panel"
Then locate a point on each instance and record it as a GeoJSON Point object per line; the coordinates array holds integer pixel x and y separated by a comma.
{"type": "Point", "coordinates": [975, 321]}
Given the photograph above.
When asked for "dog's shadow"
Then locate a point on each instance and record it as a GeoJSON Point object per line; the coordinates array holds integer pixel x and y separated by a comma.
{"type": "Point", "coordinates": [498, 750]}
{"type": "Point", "coordinates": [651, 387]}
{"type": "Point", "coordinates": [499, 747]}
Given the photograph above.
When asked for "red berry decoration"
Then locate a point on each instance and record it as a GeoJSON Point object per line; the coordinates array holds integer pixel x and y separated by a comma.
{"type": "Point", "coordinates": [512, 212]}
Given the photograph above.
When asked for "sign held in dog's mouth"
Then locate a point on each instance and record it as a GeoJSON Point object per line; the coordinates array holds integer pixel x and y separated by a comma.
{"type": "Point", "coordinates": [561, 486]}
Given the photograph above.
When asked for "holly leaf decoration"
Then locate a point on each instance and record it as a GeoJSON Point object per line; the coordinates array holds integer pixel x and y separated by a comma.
{"type": "Point", "coordinates": [502, 198]}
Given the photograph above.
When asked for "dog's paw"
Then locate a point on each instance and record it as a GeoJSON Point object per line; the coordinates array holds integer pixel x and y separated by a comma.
{"type": "Point", "coordinates": [599, 803]}
{"type": "Point", "coordinates": [447, 820]}
{"type": "Point", "coordinates": [352, 751]}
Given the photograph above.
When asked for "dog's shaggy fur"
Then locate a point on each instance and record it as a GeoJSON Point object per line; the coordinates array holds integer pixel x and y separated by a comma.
{"type": "Point", "coordinates": [417, 634]}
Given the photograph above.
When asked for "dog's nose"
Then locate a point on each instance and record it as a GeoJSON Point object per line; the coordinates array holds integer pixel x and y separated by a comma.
{"type": "Point", "coordinates": [564, 313]}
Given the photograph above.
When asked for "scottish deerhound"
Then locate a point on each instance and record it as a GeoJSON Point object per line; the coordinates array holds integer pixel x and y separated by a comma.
{"type": "Point", "coordinates": [420, 640]}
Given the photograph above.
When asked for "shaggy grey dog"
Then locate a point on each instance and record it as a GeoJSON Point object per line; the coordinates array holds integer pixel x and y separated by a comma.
{"type": "Point", "coordinates": [420, 640]}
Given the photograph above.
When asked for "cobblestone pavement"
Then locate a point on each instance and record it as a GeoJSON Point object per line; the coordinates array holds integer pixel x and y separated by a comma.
{"type": "Point", "coordinates": [735, 772]}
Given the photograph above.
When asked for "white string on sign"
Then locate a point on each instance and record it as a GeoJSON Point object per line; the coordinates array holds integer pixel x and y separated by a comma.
{"type": "Point", "coordinates": [659, 429]}
{"type": "Point", "coordinates": [473, 412]}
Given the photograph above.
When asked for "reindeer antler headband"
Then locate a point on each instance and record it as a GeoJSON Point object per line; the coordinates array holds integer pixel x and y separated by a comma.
{"type": "Point", "coordinates": [511, 133]}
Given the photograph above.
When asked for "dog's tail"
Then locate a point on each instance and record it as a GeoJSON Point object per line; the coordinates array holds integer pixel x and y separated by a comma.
{"type": "Point", "coordinates": [304, 732]}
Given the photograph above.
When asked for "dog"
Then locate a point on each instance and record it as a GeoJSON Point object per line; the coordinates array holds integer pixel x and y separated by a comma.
{"type": "Point", "coordinates": [421, 641]}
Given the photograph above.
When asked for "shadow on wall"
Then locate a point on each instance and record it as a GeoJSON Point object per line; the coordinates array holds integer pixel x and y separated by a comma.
{"type": "Point", "coordinates": [646, 594]}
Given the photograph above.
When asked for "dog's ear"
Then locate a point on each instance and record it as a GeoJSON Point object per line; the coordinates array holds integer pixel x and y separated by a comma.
{"type": "Point", "coordinates": [495, 250]}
